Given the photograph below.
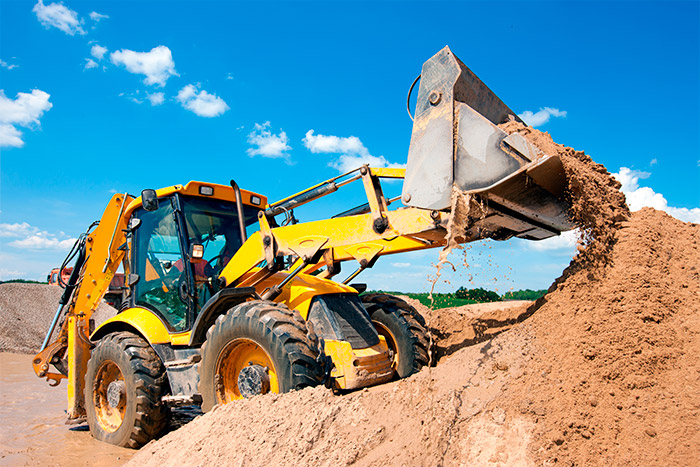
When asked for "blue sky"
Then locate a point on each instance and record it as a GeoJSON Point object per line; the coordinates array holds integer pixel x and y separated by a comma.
{"type": "Point", "coordinates": [103, 96]}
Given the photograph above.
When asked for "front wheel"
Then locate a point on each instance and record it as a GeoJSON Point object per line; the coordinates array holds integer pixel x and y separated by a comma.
{"type": "Point", "coordinates": [124, 384]}
{"type": "Point", "coordinates": [255, 348]}
{"type": "Point", "coordinates": [403, 328]}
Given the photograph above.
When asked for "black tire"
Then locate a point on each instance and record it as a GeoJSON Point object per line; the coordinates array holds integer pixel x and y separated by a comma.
{"type": "Point", "coordinates": [143, 415]}
{"type": "Point", "coordinates": [292, 348]}
{"type": "Point", "coordinates": [406, 335]}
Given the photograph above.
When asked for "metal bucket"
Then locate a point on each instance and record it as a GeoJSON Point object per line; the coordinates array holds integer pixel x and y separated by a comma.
{"type": "Point", "coordinates": [456, 143]}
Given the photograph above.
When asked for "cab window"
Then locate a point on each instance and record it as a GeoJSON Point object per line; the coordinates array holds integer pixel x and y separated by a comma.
{"type": "Point", "coordinates": [214, 224]}
{"type": "Point", "coordinates": [160, 265]}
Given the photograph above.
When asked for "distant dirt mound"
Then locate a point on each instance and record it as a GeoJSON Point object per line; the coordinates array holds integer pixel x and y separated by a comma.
{"type": "Point", "coordinates": [26, 312]}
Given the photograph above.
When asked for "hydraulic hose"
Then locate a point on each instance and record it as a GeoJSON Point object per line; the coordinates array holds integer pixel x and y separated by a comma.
{"type": "Point", "coordinates": [78, 249]}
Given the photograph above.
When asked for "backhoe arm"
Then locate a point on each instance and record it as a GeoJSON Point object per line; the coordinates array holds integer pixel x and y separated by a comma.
{"type": "Point", "coordinates": [101, 254]}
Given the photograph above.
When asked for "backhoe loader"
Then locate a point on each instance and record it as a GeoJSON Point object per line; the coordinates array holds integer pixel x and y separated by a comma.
{"type": "Point", "coordinates": [230, 297]}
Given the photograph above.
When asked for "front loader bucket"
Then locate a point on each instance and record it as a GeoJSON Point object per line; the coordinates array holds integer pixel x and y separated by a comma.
{"type": "Point", "coordinates": [456, 143]}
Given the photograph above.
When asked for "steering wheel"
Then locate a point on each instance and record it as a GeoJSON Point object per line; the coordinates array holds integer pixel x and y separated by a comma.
{"type": "Point", "coordinates": [216, 263]}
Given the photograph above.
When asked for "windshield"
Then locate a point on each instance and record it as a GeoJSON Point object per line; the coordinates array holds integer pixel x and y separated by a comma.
{"type": "Point", "coordinates": [214, 224]}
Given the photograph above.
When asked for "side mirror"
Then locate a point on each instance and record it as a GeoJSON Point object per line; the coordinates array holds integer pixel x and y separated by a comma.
{"type": "Point", "coordinates": [149, 200]}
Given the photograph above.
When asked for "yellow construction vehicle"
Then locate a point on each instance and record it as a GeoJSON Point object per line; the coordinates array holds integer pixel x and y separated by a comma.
{"type": "Point", "coordinates": [229, 296]}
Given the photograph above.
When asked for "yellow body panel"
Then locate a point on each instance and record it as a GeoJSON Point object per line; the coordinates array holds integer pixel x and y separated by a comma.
{"type": "Point", "coordinates": [386, 172]}
{"type": "Point", "coordinates": [147, 324]}
{"type": "Point", "coordinates": [299, 292]}
{"type": "Point", "coordinates": [77, 364]}
{"type": "Point", "coordinates": [356, 368]}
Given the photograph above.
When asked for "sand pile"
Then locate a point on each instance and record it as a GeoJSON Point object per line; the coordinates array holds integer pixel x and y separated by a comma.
{"type": "Point", "coordinates": [455, 328]}
{"type": "Point", "coordinates": [616, 380]}
{"type": "Point", "coordinates": [26, 312]}
{"type": "Point", "coordinates": [604, 371]}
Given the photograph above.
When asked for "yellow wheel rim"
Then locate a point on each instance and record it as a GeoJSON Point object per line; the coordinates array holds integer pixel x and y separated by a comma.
{"type": "Point", "coordinates": [236, 355]}
{"type": "Point", "coordinates": [109, 396]}
{"type": "Point", "coordinates": [390, 342]}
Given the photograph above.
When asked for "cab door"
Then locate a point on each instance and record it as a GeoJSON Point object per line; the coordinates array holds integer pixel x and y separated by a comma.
{"type": "Point", "coordinates": [163, 268]}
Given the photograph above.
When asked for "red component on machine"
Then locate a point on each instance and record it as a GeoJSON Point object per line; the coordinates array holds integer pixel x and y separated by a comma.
{"type": "Point", "coordinates": [52, 278]}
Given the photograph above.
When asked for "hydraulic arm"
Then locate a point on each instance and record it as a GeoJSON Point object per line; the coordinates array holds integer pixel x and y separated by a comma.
{"type": "Point", "coordinates": [99, 256]}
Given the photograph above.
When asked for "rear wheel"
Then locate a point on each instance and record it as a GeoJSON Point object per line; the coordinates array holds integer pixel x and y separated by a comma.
{"type": "Point", "coordinates": [255, 348]}
{"type": "Point", "coordinates": [124, 384]}
{"type": "Point", "coordinates": [403, 328]}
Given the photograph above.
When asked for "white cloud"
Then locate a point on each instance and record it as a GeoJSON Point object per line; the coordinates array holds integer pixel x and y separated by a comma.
{"type": "Point", "coordinates": [318, 144]}
{"type": "Point", "coordinates": [268, 144]}
{"type": "Point", "coordinates": [542, 116]}
{"type": "Point", "coordinates": [59, 16]}
{"type": "Point", "coordinates": [90, 63]}
{"type": "Point", "coordinates": [30, 237]}
{"type": "Point", "coordinates": [566, 241]}
{"type": "Point", "coordinates": [39, 242]}
{"type": "Point", "coordinates": [22, 229]}
{"type": "Point", "coordinates": [96, 17]}
{"type": "Point", "coordinates": [98, 51]}
{"type": "Point", "coordinates": [9, 66]}
{"type": "Point", "coordinates": [157, 65]}
{"type": "Point", "coordinates": [6, 274]}
{"type": "Point", "coordinates": [353, 153]}
{"type": "Point", "coordinates": [25, 110]}
{"type": "Point", "coordinates": [10, 137]}
{"type": "Point", "coordinates": [201, 103]}
{"type": "Point", "coordinates": [157, 98]}
{"type": "Point", "coordinates": [653, 162]}
{"type": "Point", "coordinates": [134, 97]}
{"type": "Point", "coordinates": [229, 76]}
{"type": "Point", "coordinates": [639, 197]}
{"type": "Point", "coordinates": [401, 265]}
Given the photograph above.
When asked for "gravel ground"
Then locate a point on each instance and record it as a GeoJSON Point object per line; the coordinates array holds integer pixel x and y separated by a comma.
{"type": "Point", "coordinates": [26, 312]}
